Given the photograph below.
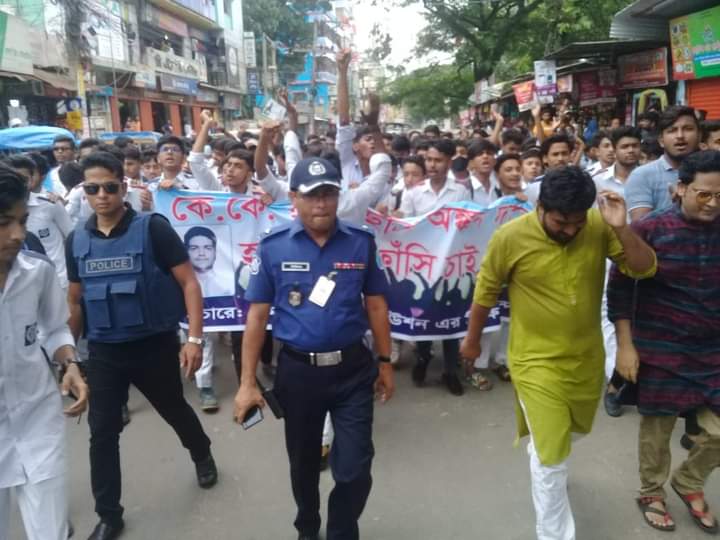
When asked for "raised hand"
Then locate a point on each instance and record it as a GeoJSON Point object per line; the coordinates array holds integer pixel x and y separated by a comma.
{"type": "Point", "coordinates": [373, 115]}
{"type": "Point", "coordinates": [343, 58]}
{"type": "Point", "coordinates": [613, 209]}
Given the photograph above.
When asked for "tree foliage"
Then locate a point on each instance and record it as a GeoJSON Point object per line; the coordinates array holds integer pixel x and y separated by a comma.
{"type": "Point", "coordinates": [430, 93]}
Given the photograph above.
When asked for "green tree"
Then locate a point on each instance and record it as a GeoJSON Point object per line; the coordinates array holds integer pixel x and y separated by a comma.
{"type": "Point", "coordinates": [432, 92]}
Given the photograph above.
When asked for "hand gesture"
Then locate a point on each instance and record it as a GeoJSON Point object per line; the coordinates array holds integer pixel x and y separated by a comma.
{"type": "Point", "coordinates": [207, 118]}
{"type": "Point", "coordinates": [536, 111]}
{"type": "Point", "coordinates": [385, 383]}
{"type": "Point", "coordinates": [498, 117]}
{"type": "Point", "coordinates": [627, 362]}
{"type": "Point", "coordinates": [613, 209]}
{"type": "Point", "coordinates": [469, 352]}
{"type": "Point", "coordinates": [73, 383]}
{"type": "Point", "coordinates": [190, 359]}
{"type": "Point", "coordinates": [246, 398]}
{"type": "Point", "coordinates": [343, 58]}
{"type": "Point", "coordinates": [373, 116]}
{"type": "Point", "coordinates": [284, 99]}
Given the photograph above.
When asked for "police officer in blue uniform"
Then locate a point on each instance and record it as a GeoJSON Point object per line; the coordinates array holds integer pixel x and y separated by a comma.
{"type": "Point", "coordinates": [131, 283]}
{"type": "Point", "coordinates": [322, 277]}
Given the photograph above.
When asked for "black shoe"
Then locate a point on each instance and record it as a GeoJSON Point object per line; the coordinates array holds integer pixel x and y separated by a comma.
{"type": "Point", "coordinates": [453, 384]}
{"type": "Point", "coordinates": [686, 442]}
{"type": "Point", "coordinates": [207, 474]}
{"type": "Point", "coordinates": [106, 531]}
{"type": "Point", "coordinates": [125, 415]}
{"type": "Point", "coordinates": [612, 404]}
{"type": "Point", "coordinates": [71, 529]}
{"type": "Point", "coordinates": [308, 537]}
{"type": "Point", "coordinates": [418, 373]}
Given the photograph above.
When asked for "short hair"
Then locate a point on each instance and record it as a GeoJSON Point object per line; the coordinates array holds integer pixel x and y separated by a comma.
{"type": "Point", "coordinates": [314, 149]}
{"type": "Point", "coordinates": [530, 143]}
{"type": "Point", "coordinates": [71, 174]}
{"type": "Point", "coordinates": [132, 152]}
{"type": "Point", "coordinates": [461, 143]}
{"type": "Point", "coordinates": [64, 138]}
{"type": "Point", "coordinates": [90, 142]}
{"type": "Point", "coordinates": [554, 139]}
{"type": "Point", "coordinates": [401, 144]}
{"type": "Point", "coordinates": [650, 146]}
{"type": "Point", "coordinates": [112, 149]}
{"type": "Point", "coordinates": [651, 116]}
{"type": "Point", "coordinates": [333, 157]}
{"type": "Point", "coordinates": [219, 144]}
{"type": "Point", "coordinates": [506, 157]}
{"type": "Point", "coordinates": [630, 132]}
{"type": "Point", "coordinates": [416, 160]}
{"type": "Point", "coordinates": [331, 134]}
{"type": "Point", "coordinates": [360, 133]}
{"type": "Point", "coordinates": [567, 190]}
{"type": "Point", "coordinates": [13, 188]}
{"type": "Point", "coordinates": [231, 145]}
{"type": "Point", "coordinates": [104, 160]}
{"type": "Point", "coordinates": [388, 137]}
{"type": "Point", "coordinates": [192, 232]}
{"type": "Point", "coordinates": [432, 128]}
{"type": "Point", "coordinates": [444, 146]}
{"type": "Point", "coordinates": [672, 114]}
{"type": "Point", "coordinates": [420, 144]}
{"type": "Point", "coordinates": [41, 161]}
{"type": "Point", "coordinates": [482, 146]}
{"type": "Point", "coordinates": [148, 156]}
{"type": "Point", "coordinates": [512, 136]}
{"type": "Point", "coordinates": [705, 161]}
{"type": "Point", "coordinates": [532, 152]}
{"type": "Point", "coordinates": [246, 155]}
{"type": "Point", "coordinates": [171, 139]}
{"type": "Point", "coordinates": [598, 137]}
{"type": "Point", "coordinates": [708, 127]}
{"type": "Point", "coordinates": [123, 142]}
{"type": "Point", "coordinates": [21, 161]}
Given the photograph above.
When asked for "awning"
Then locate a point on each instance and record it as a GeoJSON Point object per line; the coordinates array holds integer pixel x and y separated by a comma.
{"type": "Point", "coordinates": [55, 80]}
{"type": "Point", "coordinates": [187, 14]}
{"type": "Point", "coordinates": [648, 19]}
{"type": "Point", "coordinates": [10, 75]}
{"type": "Point", "coordinates": [603, 49]}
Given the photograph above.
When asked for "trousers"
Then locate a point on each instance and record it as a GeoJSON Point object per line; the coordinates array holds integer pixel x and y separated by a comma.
{"type": "Point", "coordinates": [307, 393]}
{"type": "Point", "coordinates": [203, 376]}
{"type": "Point", "coordinates": [451, 353]}
{"type": "Point", "coordinates": [151, 364]}
{"type": "Point", "coordinates": [266, 354]}
{"type": "Point", "coordinates": [43, 507]}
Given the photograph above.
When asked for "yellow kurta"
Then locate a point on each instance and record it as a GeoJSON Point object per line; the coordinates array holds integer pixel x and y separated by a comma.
{"type": "Point", "coordinates": [555, 354]}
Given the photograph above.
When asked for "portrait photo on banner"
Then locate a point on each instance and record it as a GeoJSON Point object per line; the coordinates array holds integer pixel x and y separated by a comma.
{"type": "Point", "coordinates": [208, 247]}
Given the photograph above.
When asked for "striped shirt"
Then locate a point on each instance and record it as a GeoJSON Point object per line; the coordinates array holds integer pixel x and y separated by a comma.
{"type": "Point", "coordinates": [677, 315]}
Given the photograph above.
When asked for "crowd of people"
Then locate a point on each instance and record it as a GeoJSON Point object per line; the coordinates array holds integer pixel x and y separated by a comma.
{"type": "Point", "coordinates": [619, 259]}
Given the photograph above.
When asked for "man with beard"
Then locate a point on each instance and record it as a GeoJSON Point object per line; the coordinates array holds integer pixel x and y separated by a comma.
{"type": "Point", "coordinates": [650, 187]}
{"type": "Point", "coordinates": [553, 263]}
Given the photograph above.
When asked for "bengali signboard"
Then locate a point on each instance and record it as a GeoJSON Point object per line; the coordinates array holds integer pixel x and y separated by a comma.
{"type": "Point", "coordinates": [168, 62]}
{"type": "Point", "coordinates": [178, 85]}
{"type": "Point", "coordinates": [695, 44]}
{"type": "Point", "coordinates": [545, 80]}
{"type": "Point", "coordinates": [596, 87]}
{"type": "Point", "coordinates": [525, 95]}
{"type": "Point", "coordinates": [646, 69]}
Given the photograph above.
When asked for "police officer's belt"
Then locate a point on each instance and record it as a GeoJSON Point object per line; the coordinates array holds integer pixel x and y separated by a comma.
{"type": "Point", "coordinates": [325, 359]}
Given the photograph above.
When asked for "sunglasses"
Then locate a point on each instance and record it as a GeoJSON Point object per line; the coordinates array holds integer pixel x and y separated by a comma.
{"type": "Point", "coordinates": [111, 188]}
{"type": "Point", "coordinates": [704, 197]}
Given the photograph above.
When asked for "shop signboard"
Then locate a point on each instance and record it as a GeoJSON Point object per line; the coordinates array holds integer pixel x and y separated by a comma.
{"type": "Point", "coordinates": [232, 102]}
{"type": "Point", "coordinates": [167, 62]}
{"type": "Point", "coordinates": [695, 43]}
{"type": "Point", "coordinates": [16, 55]}
{"type": "Point", "coordinates": [545, 80]}
{"type": "Point", "coordinates": [164, 20]}
{"type": "Point", "coordinates": [233, 64]}
{"type": "Point", "coordinates": [647, 69]}
{"type": "Point", "coordinates": [253, 84]}
{"type": "Point", "coordinates": [596, 87]}
{"type": "Point", "coordinates": [249, 46]}
{"type": "Point", "coordinates": [178, 85]}
{"type": "Point", "coordinates": [207, 96]}
{"type": "Point", "coordinates": [145, 78]}
{"type": "Point", "coordinates": [525, 95]}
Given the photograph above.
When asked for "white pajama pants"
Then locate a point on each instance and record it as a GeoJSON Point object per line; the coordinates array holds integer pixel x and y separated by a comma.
{"type": "Point", "coordinates": [608, 330]}
{"type": "Point", "coordinates": [494, 345]}
{"type": "Point", "coordinates": [203, 376]}
{"type": "Point", "coordinates": [43, 507]}
{"type": "Point", "coordinates": [554, 519]}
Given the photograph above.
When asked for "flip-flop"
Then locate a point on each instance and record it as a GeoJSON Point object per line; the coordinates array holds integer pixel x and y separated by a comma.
{"type": "Point", "coordinates": [479, 381]}
{"type": "Point", "coordinates": [644, 504]}
{"type": "Point", "coordinates": [698, 515]}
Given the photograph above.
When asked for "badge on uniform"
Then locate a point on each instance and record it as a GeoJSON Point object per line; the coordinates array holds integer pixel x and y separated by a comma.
{"type": "Point", "coordinates": [349, 266]}
{"type": "Point", "coordinates": [43, 233]}
{"type": "Point", "coordinates": [295, 298]}
{"type": "Point", "coordinates": [321, 291]}
{"type": "Point", "coordinates": [31, 334]}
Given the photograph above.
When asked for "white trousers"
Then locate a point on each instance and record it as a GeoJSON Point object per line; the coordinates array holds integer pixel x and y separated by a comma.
{"type": "Point", "coordinates": [608, 330]}
{"type": "Point", "coordinates": [43, 507]}
{"type": "Point", "coordinates": [494, 345]}
{"type": "Point", "coordinates": [203, 376]}
{"type": "Point", "coordinates": [554, 519]}
{"type": "Point", "coordinates": [328, 431]}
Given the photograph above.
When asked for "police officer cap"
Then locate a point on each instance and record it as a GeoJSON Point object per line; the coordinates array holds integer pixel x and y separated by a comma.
{"type": "Point", "coordinates": [312, 173]}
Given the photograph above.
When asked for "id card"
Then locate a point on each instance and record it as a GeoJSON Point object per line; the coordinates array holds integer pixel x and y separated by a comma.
{"type": "Point", "coordinates": [321, 291]}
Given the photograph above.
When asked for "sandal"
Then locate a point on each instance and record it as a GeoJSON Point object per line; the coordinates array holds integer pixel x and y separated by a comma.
{"type": "Point", "coordinates": [644, 504]}
{"type": "Point", "coordinates": [698, 515]}
{"type": "Point", "coordinates": [479, 381]}
{"type": "Point", "coordinates": [503, 373]}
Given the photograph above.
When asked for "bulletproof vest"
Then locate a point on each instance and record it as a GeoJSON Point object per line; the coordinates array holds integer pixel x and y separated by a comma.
{"type": "Point", "coordinates": [126, 296]}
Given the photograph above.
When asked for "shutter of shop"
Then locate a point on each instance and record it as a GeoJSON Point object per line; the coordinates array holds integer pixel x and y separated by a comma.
{"type": "Point", "coordinates": [704, 94]}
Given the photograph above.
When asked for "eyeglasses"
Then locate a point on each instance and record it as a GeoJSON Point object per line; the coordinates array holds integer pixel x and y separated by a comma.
{"type": "Point", "coordinates": [169, 150]}
{"type": "Point", "coordinates": [111, 188]}
{"type": "Point", "coordinates": [704, 197]}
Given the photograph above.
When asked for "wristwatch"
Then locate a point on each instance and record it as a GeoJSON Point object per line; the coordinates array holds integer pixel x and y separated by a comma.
{"type": "Point", "coordinates": [383, 359]}
{"type": "Point", "coordinates": [196, 341]}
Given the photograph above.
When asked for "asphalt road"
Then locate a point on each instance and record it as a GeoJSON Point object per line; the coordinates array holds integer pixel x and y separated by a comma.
{"type": "Point", "coordinates": [445, 469]}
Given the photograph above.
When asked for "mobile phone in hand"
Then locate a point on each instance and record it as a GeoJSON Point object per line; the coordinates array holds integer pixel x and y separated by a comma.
{"type": "Point", "coordinates": [252, 417]}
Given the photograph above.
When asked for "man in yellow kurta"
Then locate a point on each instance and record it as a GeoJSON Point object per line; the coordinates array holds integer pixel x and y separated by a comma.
{"type": "Point", "coordinates": [553, 262]}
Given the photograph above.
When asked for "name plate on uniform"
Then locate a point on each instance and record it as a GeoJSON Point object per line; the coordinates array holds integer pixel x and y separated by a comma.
{"type": "Point", "coordinates": [295, 267]}
{"type": "Point", "coordinates": [114, 264]}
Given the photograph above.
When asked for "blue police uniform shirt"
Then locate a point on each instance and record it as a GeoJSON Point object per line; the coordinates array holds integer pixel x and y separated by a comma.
{"type": "Point", "coordinates": [287, 266]}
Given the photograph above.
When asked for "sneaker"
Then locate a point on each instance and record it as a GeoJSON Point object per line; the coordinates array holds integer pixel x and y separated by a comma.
{"type": "Point", "coordinates": [206, 471]}
{"type": "Point", "coordinates": [613, 407]}
{"type": "Point", "coordinates": [208, 400]}
{"type": "Point", "coordinates": [418, 373]}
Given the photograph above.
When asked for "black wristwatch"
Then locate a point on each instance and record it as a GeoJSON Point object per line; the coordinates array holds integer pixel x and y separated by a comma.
{"type": "Point", "coordinates": [383, 359]}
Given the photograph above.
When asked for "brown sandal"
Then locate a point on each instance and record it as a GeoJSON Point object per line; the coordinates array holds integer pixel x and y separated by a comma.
{"type": "Point", "coordinates": [503, 373]}
{"type": "Point", "coordinates": [698, 515]}
{"type": "Point", "coordinates": [644, 504]}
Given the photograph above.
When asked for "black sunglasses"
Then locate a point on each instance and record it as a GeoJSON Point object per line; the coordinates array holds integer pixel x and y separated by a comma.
{"type": "Point", "coordinates": [111, 188]}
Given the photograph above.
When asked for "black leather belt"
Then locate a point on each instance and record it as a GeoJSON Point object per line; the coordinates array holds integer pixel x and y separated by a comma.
{"type": "Point", "coordinates": [324, 359]}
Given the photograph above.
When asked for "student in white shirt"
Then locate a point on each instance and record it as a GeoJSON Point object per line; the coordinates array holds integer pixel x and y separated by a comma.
{"type": "Point", "coordinates": [481, 155]}
{"type": "Point", "coordinates": [33, 317]}
{"type": "Point", "coordinates": [604, 152]}
{"type": "Point", "coordinates": [171, 158]}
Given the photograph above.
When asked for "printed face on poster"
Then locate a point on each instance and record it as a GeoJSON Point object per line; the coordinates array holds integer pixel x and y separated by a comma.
{"type": "Point", "coordinates": [209, 251]}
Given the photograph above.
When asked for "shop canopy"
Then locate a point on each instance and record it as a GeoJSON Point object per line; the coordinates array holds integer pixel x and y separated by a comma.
{"type": "Point", "coordinates": [595, 50]}
{"type": "Point", "coordinates": [648, 19]}
{"type": "Point", "coordinates": [31, 137]}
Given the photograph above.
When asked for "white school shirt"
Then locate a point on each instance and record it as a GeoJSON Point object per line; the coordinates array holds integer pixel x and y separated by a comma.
{"type": "Point", "coordinates": [33, 313]}
{"type": "Point", "coordinates": [479, 195]}
{"type": "Point", "coordinates": [422, 199]}
{"type": "Point", "coordinates": [351, 171]}
{"type": "Point", "coordinates": [204, 175]}
{"type": "Point", "coordinates": [51, 223]}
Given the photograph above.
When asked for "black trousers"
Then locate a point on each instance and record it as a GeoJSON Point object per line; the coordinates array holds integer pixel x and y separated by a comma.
{"type": "Point", "coordinates": [306, 394]}
{"type": "Point", "coordinates": [451, 353]}
{"type": "Point", "coordinates": [266, 353]}
{"type": "Point", "coordinates": [151, 364]}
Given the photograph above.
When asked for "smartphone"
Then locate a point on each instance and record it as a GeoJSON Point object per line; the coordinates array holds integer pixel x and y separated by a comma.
{"type": "Point", "coordinates": [252, 417]}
